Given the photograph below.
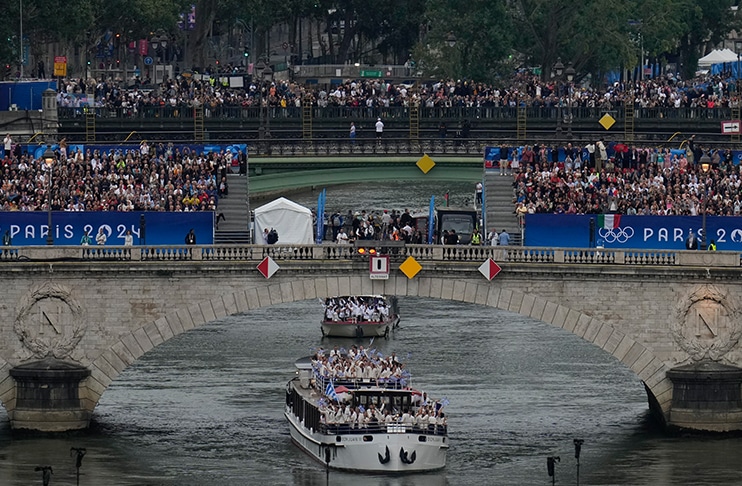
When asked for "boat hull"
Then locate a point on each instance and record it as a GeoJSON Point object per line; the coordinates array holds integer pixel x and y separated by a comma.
{"type": "Point", "coordinates": [358, 329]}
{"type": "Point", "coordinates": [380, 452]}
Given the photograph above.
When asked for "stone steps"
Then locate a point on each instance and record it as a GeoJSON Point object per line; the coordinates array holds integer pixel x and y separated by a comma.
{"type": "Point", "coordinates": [233, 229]}
{"type": "Point", "coordinates": [498, 191]}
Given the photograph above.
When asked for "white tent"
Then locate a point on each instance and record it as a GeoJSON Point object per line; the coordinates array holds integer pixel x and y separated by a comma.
{"type": "Point", "coordinates": [717, 56]}
{"type": "Point", "coordinates": [292, 221]}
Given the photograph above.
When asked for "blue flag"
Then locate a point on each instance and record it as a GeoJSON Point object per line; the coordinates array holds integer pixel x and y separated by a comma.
{"type": "Point", "coordinates": [330, 391]}
{"type": "Point", "coordinates": [431, 219]}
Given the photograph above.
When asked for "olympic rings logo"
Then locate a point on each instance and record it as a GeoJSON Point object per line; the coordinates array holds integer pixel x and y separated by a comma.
{"type": "Point", "coordinates": [616, 235]}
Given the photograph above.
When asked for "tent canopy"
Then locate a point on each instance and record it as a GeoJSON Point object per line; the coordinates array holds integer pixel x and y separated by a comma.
{"type": "Point", "coordinates": [717, 56]}
{"type": "Point", "coordinates": [292, 221]}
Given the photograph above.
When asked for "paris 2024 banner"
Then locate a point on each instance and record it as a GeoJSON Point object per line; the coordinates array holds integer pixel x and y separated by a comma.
{"type": "Point", "coordinates": [630, 232]}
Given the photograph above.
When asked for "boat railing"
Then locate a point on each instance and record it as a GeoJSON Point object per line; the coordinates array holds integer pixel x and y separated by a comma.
{"type": "Point", "coordinates": [395, 428]}
{"type": "Point", "coordinates": [359, 383]}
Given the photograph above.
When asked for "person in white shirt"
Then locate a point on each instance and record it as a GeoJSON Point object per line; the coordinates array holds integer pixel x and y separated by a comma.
{"type": "Point", "coordinates": [342, 238]}
{"type": "Point", "coordinates": [8, 143]}
{"type": "Point", "coordinates": [100, 238]}
{"type": "Point", "coordinates": [379, 129]}
{"type": "Point", "coordinates": [128, 238]}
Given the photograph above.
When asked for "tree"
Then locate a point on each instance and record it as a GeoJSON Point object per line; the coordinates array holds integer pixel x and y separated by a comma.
{"type": "Point", "coordinates": [482, 30]}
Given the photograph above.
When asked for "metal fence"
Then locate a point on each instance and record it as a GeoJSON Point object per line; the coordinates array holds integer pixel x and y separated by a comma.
{"type": "Point", "coordinates": [541, 113]}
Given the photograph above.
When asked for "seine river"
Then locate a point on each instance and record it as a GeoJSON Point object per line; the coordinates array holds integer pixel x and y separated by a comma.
{"type": "Point", "coordinates": [206, 408]}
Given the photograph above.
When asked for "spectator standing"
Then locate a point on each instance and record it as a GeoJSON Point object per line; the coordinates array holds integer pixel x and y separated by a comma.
{"type": "Point", "coordinates": [379, 129]}
{"type": "Point", "coordinates": [85, 240]}
{"type": "Point", "coordinates": [100, 238]}
{"type": "Point", "coordinates": [478, 192]}
{"type": "Point", "coordinates": [128, 239]}
{"type": "Point", "coordinates": [504, 238]}
{"type": "Point", "coordinates": [190, 238]}
{"type": "Point", "coordinates": [8, 144]}
{"type": "Point", "coordinates": [691, 243]}
{"type": "Point", "coordinates": [493, 237]}
{"type": "Point", "coordinates": [352, 132]}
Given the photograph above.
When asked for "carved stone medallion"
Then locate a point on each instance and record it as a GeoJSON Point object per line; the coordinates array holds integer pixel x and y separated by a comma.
{"type": "Point", "coordinates": [706, 324]}
{"type": "Point", "coordinates": [50, 322]}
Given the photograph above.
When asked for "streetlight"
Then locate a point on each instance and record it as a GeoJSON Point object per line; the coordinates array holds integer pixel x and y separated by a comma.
{"type": "Point", "coordinates": [451, 40]}
{"type": "Point", "coordinates": [561, 75]}
{"type": "Point", "coordinates": [705, 167]}
{"type": "Point", "coordinates": [49, 159]}
{"type": "Point", "coordinates": [267, 76]}
{"type": "Point", "coordinates": [578, 447]}
{"type": "Point", "coordinates": [550, 462]}
{"type": "Point", "coordinates": [79, 454]}
{"type": "Point", "coordinates": [259, 68]}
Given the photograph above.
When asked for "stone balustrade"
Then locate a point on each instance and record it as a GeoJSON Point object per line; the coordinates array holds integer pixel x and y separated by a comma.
{"type": "Point", "coordinates": [397, 253]}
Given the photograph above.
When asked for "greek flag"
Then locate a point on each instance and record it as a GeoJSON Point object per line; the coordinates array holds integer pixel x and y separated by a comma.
{"type": "Point", "coordinates": [330, 391]}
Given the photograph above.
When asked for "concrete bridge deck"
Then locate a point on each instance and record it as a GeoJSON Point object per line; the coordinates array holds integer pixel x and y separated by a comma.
{"type": "Point", "coordinates": [673, 317]}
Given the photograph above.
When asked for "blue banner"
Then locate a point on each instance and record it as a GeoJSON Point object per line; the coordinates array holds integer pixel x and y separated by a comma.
{"type": "Point", "coordinates": [29, 228]}
{"type": "Point", "coordinates": [431, 220]}
{"type": "Point", "coordinates": [321, 216]}
{"type": "Point", "coordinates": [631, 232]}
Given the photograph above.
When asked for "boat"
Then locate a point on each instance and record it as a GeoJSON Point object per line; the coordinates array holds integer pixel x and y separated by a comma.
{"type": "Point", "coordinates": [364, 438]}
{"type": "Point", "coordinates": [360, 316]}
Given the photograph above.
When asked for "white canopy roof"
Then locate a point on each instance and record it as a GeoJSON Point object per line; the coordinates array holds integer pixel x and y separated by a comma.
{"type": "Point", "coordinates": [292, 221]}
{"type": "Point", "coordinates": [717, 56]}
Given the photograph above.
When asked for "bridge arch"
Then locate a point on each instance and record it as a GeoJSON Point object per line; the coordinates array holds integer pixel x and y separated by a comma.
{"type": "Point", "coordinates": [640, 359]}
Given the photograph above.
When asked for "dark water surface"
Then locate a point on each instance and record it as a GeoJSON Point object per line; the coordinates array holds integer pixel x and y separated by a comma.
{"type": "Point", "coordinates": [206, 409]}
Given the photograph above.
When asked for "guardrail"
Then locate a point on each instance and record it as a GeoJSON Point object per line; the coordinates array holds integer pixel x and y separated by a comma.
{"type": "Point", "coordinates": [436, 113]}
{"type": "Point", "coordinates": [336, 253]}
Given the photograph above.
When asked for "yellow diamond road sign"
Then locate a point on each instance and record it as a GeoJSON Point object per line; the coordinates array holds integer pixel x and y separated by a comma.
{"type": "Point", "coordinates": [410, 267]}
{"type": "Point", "coordinates": [425, 164]}
{"type": "Point", "coordinates": [607, 121]}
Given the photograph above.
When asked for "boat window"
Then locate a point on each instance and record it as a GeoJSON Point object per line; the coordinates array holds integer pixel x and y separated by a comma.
{"type": "Point", "coordinates": [368, 438]}
{"type": "Point", "coordinates": [422, 438]}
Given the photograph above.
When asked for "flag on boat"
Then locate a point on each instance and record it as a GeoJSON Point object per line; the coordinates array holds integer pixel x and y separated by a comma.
{"type": "Point", "coordinates": [330, 391]}
{"type": "Point", "coordinates": [609, 221]}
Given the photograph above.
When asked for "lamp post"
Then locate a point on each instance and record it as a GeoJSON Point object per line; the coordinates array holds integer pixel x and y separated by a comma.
{"type": "Point", "coordinates": [259, 68]}
{"type": "Point", "coordinates": [561, 74]}
{"type": "Point", "coordinates": [578, 448]}
{"type": "Point", "coordinates": [49, 159]}
{"type": "Point", "coordinates": [155, 43]}
{"type": "Point", "coordinates": [705, 167]}
{"type": "Point", "coordinates": [267, 76]}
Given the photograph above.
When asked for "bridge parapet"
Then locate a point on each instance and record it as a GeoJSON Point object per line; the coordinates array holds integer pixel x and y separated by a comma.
{"type": "Point", "coordinates": [397, 253]}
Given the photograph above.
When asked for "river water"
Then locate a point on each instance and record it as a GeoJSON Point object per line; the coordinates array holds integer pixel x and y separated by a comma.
{"type": "Point", "coordinates": [206, 407]}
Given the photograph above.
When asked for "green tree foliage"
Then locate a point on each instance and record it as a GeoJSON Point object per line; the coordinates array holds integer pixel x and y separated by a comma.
{"type": "Point", "coordinates": [483, 33]}
{"type": "Point", "coordinates": [492, 36]}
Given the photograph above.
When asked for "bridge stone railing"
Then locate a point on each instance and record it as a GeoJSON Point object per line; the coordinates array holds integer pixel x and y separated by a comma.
{"type": "Point", "coordinates": [396, 251]}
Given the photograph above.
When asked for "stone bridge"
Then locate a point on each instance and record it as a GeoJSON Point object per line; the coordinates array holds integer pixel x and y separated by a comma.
{"type": "Point", "coordinates": [74, 318]}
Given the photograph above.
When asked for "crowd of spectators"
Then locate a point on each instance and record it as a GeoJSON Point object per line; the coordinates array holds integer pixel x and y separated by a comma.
{"type": "Point", "coordinates": [524, 88]}
{"type": "Point", "coordinates": [643, 181]}
{"type": "Point", "coordinates": [160, 178]}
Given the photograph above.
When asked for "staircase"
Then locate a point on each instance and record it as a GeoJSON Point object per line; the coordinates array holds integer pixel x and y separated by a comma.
{"type": "Point", "coordinates": [498, 191]}
{"type": "Point", "coordinates": [233, 230]}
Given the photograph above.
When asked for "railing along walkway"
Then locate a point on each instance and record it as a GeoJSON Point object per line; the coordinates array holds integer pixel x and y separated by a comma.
{"type": "Point", "coordinates": [398, 253]}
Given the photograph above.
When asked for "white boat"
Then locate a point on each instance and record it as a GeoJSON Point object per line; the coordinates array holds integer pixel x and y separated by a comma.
{"type": "Point", "coordinates": [399, 445]}
{"type": "Point", "coordinates": [359, 316]}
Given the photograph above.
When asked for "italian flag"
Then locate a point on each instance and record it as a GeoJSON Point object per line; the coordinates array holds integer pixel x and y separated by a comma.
{"type": "Point", "coordinates": [609, 221]}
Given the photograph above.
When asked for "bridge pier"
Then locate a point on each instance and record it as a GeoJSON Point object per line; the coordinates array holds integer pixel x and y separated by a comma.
{"type": "Point", "coordinates": [48, 396]}
{"type": "Point", "coordinates": [707, 396]}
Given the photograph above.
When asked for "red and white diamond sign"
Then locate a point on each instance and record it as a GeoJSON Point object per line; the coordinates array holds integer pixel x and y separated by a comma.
{"type": "Point", "coordinates": [268, 267]}
{"type": "Point", "coordinates": [489, 269]}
